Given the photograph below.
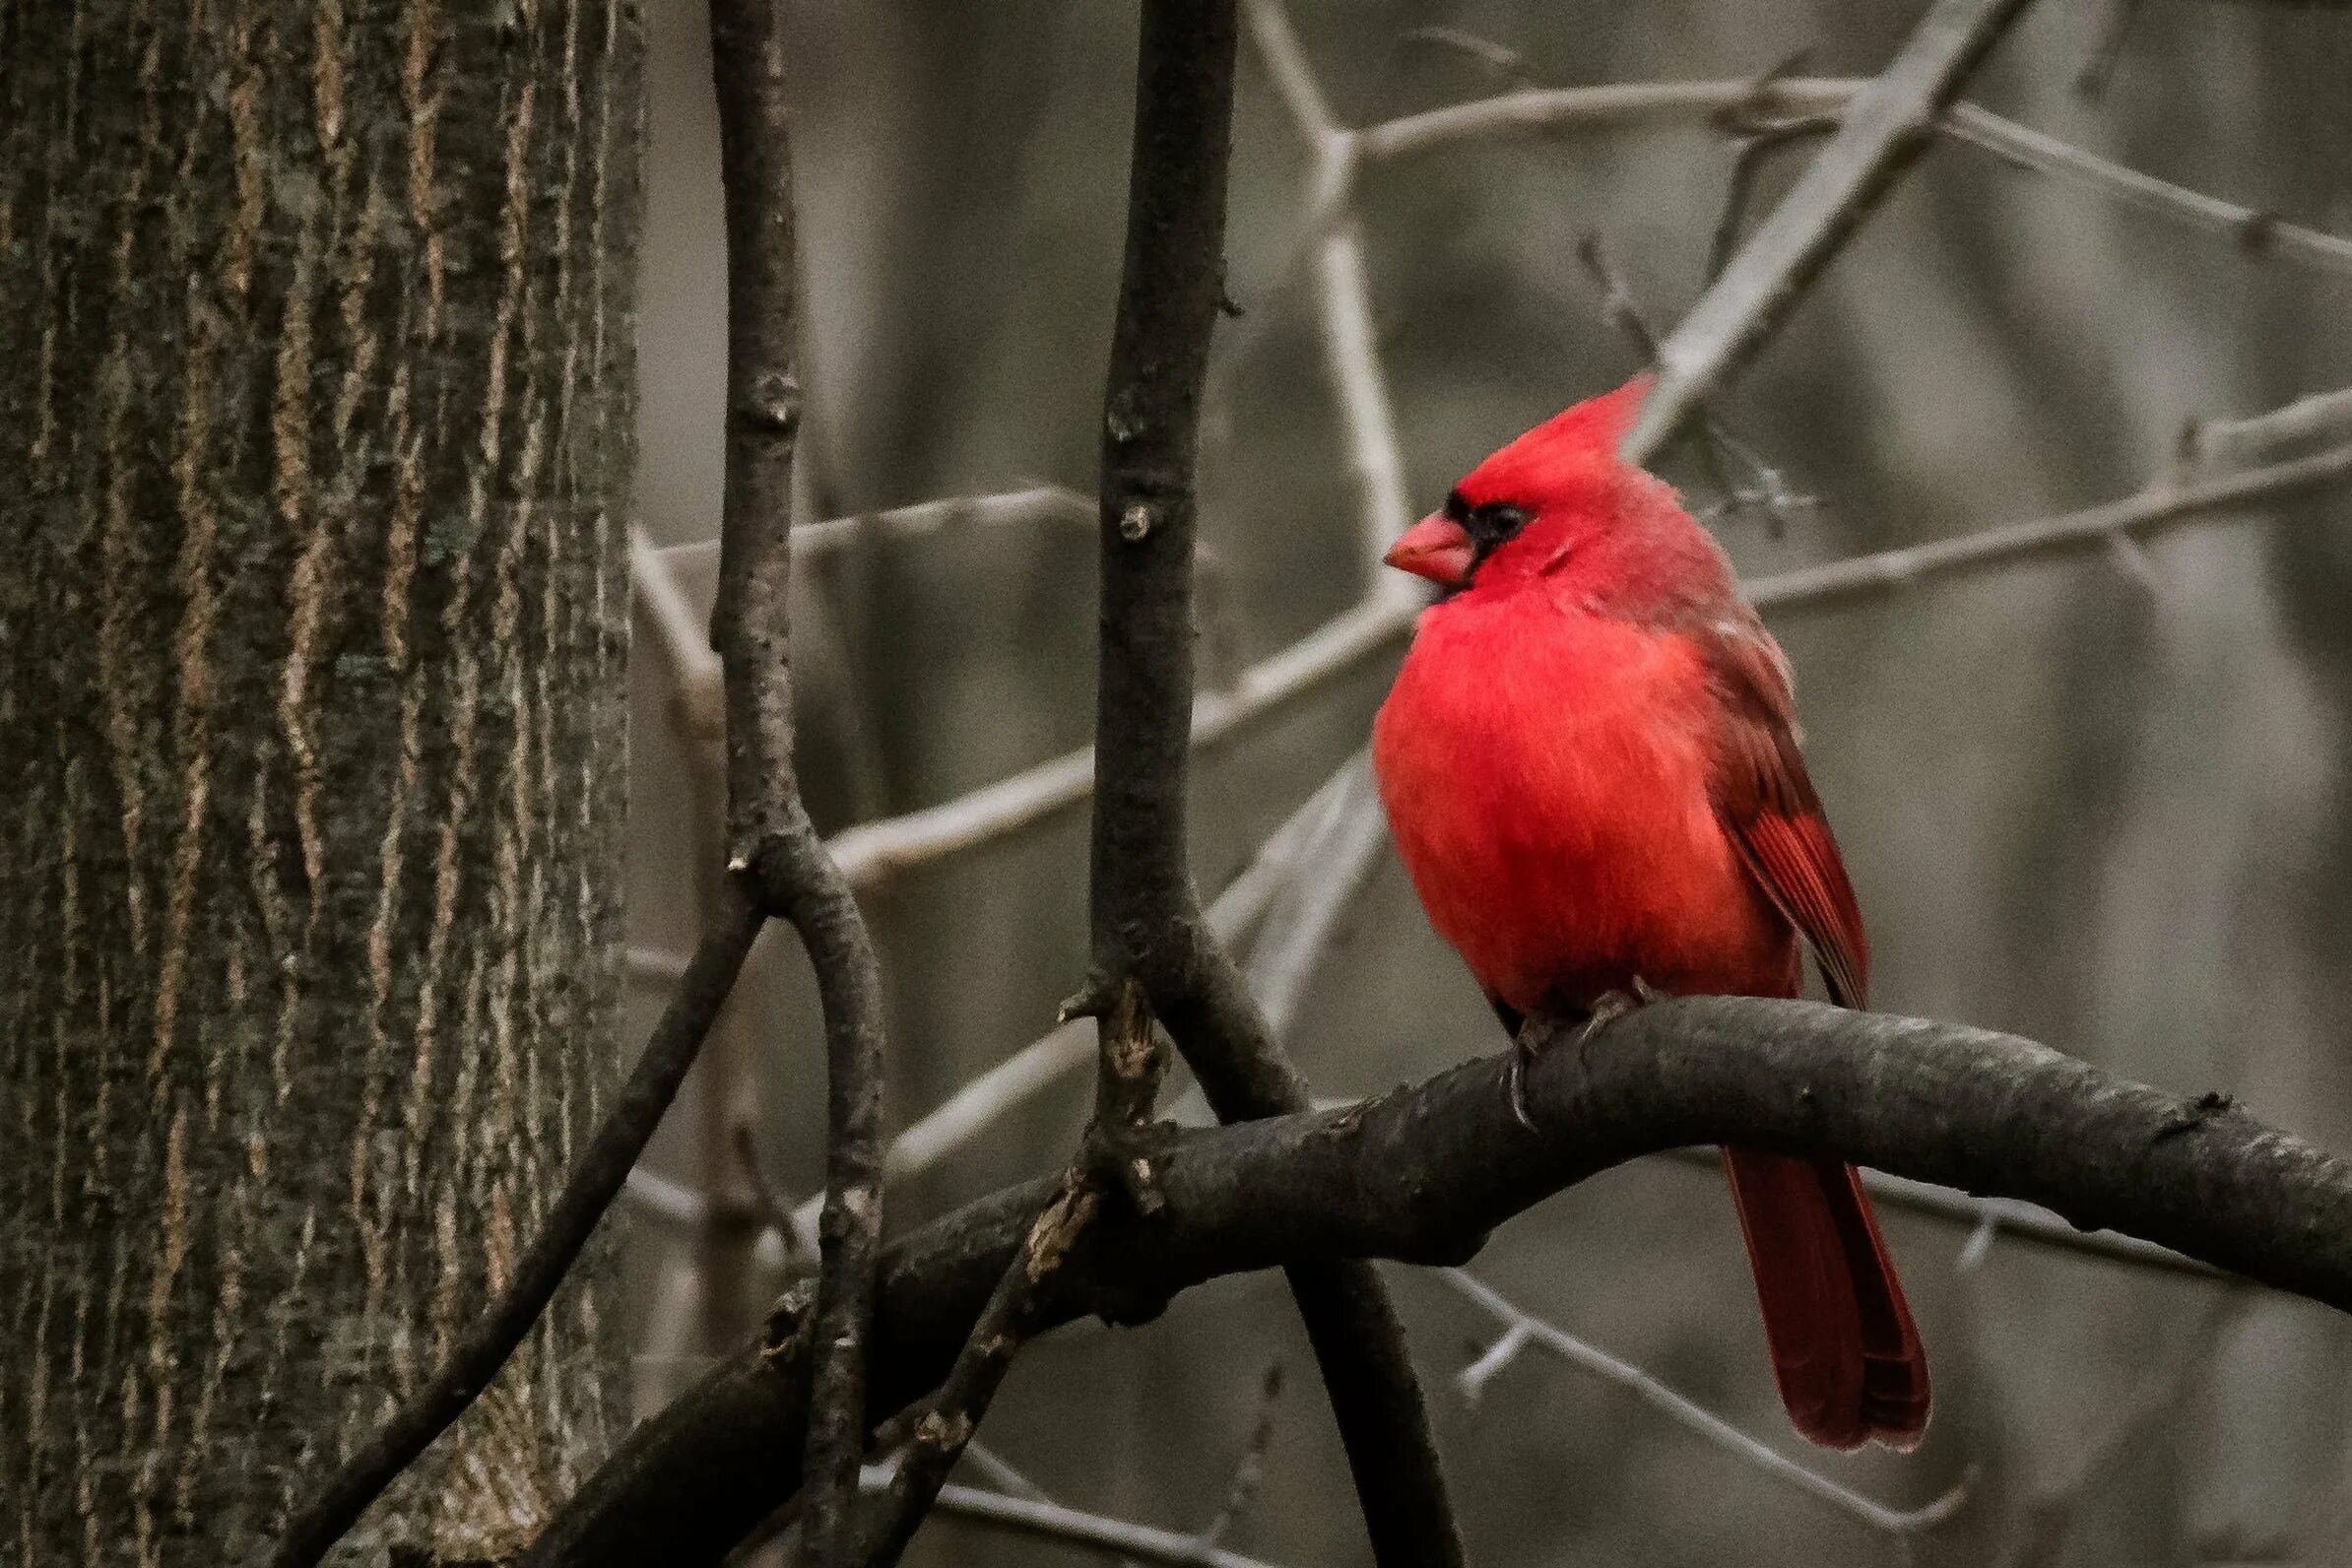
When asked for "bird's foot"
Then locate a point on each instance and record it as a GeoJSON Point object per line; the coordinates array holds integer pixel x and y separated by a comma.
{"type": "Point", "coordinates": [1606, 1008]}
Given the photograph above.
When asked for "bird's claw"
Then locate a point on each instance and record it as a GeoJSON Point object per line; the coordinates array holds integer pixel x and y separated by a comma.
{"type": "Point", "coordinates": [1515, 1077]}
{"type": "Point", "coordinates": [1606, 1008]}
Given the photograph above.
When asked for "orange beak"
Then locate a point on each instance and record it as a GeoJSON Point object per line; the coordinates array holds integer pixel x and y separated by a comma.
{"type": "Point", "coordinates": [1435, 548]}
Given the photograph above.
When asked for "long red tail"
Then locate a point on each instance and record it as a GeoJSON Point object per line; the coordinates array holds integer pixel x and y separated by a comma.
{"type": "Point", "coordinates": [1843, 1347]}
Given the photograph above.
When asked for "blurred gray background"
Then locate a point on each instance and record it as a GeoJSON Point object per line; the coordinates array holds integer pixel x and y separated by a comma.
{"type": "Point", "coordinates": [2094, 803]}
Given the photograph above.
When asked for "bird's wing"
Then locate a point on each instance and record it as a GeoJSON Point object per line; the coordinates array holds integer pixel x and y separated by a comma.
{"type": "Point", "coordinates": [1768, 805]}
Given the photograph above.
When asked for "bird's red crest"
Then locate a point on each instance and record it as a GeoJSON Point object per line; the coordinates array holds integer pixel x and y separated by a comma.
{"type": "Point", "coordinates": [1573, 450]}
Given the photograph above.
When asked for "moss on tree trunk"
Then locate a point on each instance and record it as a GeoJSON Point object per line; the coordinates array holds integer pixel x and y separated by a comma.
{"type": "Point", "coordinates": [315, 414]}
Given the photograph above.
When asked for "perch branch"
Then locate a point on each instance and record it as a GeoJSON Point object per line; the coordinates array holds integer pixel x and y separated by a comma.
{"type": "Point", "coordinates": [1425, 1173]}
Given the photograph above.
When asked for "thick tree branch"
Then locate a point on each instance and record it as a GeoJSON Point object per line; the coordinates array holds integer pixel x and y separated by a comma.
{"type": "Point", "coordinates": [1886, 127]}
{"type": "Point", "coordinates": [587, 1193]}
{"type": "Point", "coordinates": [1148, 922]}
{"type": "Point", "coordinates": [1425, 1173]}
{"type": "Point", "coordinates": [772, 846]}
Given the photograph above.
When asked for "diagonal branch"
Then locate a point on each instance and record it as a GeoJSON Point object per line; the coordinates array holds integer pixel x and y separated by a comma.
{"type": "Point", "coordinates": [773, 849]}
{"type": "Point", "coordinates": [1425, 1173]}
{"type": "Point", "coordinates": [1521, 1328]}
{"type": "Point", "coordinates": [1885, 128]}
{"type": "Point", "coordinates": [1115, 1157]}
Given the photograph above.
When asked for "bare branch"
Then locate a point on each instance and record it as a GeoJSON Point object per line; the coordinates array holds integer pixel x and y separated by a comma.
{"type": "Point", "coordinates": [1249, 1474]}
{"type": "Point", "coordinates": [654, 964]}
{"type": "Point", "coordinates": [952, 514]}
{"type": "Point", "coordinates": [874, 852]}
{"type": "Point", "coordinates": [1035, 1067]}
{"type": "Point", "coordinates": [949, 1418]}
{"type": "Point", "coordinates": [698, 710]}
{"type": "Point", "coordinates": [2322, 414]}
{"type": "Point", "coordinates": [1521, 1328]}
{"type": "Point", "coordinates": [1553, 111]}
{"type": "Point", "coordinates": [1425, 1173]}
{"type": "Point", "coordinates": [776, 1212]}
{"type": "Point", "coordinates": [2134, 514]}
{"type": "Point", "coordinates": [674, 1203]}
{"type": "Point", "coordinates": [773, 849]}
{"type": "Point", "coordinates": [1115, 1159]}
{"type": "Point", "coordinates": [1886, 127]}
{"type": "Point", "coordinates": [1147, 923]}
{"type": "Point", "coordinates": [1050, 1521]}
{"type": "Point", "coordinates": [1307, 912]}
{"type": "Point", "coordinates": [587, 1193]}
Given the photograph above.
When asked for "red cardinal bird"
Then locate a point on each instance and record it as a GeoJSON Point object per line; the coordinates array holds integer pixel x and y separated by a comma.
{"type": "Point", "coordinates": [1589, 762]}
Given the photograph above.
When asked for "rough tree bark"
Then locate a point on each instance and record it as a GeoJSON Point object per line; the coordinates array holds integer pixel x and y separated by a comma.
{"type": "Point", "coordinates": [315, 421]}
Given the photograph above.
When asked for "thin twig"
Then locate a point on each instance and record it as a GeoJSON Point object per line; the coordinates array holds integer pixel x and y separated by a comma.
{"type": "Point", "coordinates": [2322, 414]}
{"type": "Point", "coordinates": [772, 847]}
{"type": "Point", "coordinates": [1001, 1473]}
{"type": "Point", "coordinates": [697, 699]}
{"type": "Point", "coordinates": [1305, 915]}
{"type": "Point", "coordinates": [1052, 1522]}
{"type": "Point", "coordinates": [674, 1203]}
{"type": "Point", "coordinates": [656, 964]}
{"type": "Point", "coordinates": [2045, 535]}
{"type": "Point", "coordinates": [1989, 1218]}
{"type": "Point", "coordinates": [938, 1435]}
{"type": "Point", "coordinates": [1249, 1473]}
{"type": "Point", "coordinates": [952, 515]}
{"type": "Point", "coordinates": [603, 1168]}
{"type": "Point", "coordinates": [776, 1210]}
{"type": "Point", "coordinates": [1521, 1328]}
{"type": "Point", "coordinates": [1619, 310]}
{"type": "Point", "coordinates": [1552, 111]}
{"type": "Point", "coordinates": [1884, 128]}
{"type": "Point", "coordinates": [873, 853]}
{"type": "Point", "coordinates": [2107, 51]}
{"type": "Point", "coordinates": [1131, 1068]}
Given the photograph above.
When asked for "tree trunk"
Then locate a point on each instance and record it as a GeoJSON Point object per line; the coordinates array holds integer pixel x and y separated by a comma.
{"type": "Point", "coordinates": [316, 383]}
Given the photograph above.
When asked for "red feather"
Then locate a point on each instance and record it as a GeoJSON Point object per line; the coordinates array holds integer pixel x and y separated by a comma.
{"type": "Point", "coordinates": [1590, 761]}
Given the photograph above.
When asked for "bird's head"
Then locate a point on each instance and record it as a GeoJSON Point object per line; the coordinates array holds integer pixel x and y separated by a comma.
{"type": "Point", "coordinates": [1558, 494]}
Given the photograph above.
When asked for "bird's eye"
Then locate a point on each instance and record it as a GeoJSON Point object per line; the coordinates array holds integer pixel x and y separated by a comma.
{"type": "Point", "coordinates": [1492, 524]}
